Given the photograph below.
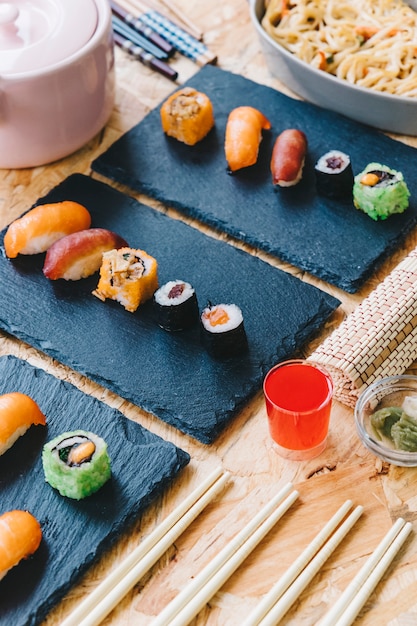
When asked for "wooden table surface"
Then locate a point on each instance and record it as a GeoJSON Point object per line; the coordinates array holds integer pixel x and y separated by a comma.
{"type": "Point", "coordinates": [345, 470]}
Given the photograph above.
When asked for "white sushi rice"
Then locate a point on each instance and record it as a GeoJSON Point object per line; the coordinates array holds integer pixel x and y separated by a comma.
{"type": "Point", "coordinates": [322, 162]}
{"type": "Point", "coordinates": [161, 294]}
{"type": "Point", "coordinates": [5, 445]}
{"type": "Point", "coordinates": [235, 318]}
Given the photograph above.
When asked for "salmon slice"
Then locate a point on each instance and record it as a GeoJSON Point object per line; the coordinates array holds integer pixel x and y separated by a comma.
{"type": "Point", "coordinates": [20, 536]}
{"type": "Point", "coordinates": [40, 227]}
{"type": "Point", "coordinates": [18, 412]}
{"type": "Point", "coordinates": [243, 135]}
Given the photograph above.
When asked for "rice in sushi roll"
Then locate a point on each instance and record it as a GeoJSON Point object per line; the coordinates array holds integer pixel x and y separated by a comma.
{"type": "Point", "coordinates": [334, 175]}
{"type": "Point", "coordinates": [175, 305]}
{"type": "Point", "coordinates": [222, 330]}
{"type": "Point", "coordinates": [380, 191]}
{"type": "Point", "coordinates": [128, 276]}
{"type": "Point", "coordinates": [76, 463]}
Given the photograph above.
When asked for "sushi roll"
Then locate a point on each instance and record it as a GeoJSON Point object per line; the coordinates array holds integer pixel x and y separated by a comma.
{"type": "Point", "coordinates": [334, 175]}
{"type": "Point", "coordinates": [243, 136]}
{"type": "Point", "coordinates": [187, 115]}
{"type": "Point", "coordinates": [288, 157]}
{"type": "Point", "coordinates": [380, 191]}
{"type": "Point", "coordinates": [20, 537]}
{"type": "Point", "coordinates": [175, 305]}
{"type": "Point", "coordinates": [222, 330]}
{"type": "Point", "coordinates": [40, 227]}
{"type": "Point", "coordinates": [128, 276]}
{"type": "Point", "coordinates": [76, 463]}
{"type": "Point", "coordinates": [79, 254]}
{"type": "Point", "coordinates": [18, 412]}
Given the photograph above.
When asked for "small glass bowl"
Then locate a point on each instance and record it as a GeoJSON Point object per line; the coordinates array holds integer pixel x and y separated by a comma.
{"type": "Point", "coordinates": [386, 392]}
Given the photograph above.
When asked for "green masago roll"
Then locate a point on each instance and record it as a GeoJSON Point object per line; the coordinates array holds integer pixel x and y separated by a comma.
{"type": "Point", "coordinates": [76, 463]}
{"type": "Point", "coordinates": [380, 191]}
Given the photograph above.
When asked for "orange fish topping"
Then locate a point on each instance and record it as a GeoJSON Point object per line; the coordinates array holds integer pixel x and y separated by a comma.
{"type": "Point", "coordinates": [370, 179]}
{"type": "Point", "coordinates": [82, 452]}
{"type": "Point", "coordinates": [217, 316]}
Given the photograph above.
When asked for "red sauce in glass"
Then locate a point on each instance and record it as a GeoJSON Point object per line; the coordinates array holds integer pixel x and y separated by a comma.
{"type": "Point", "coordinates": [298, 400]}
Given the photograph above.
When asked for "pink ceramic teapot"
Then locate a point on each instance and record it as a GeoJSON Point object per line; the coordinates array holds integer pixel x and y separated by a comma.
{"type": "Point", "coordinates": [56, 77]}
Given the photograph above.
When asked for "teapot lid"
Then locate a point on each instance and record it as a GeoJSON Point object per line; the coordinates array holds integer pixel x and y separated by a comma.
{"type": "Point", "coordinates": [37, 34]}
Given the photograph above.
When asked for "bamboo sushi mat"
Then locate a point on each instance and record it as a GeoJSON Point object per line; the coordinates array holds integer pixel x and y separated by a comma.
{"type": "Point", "coordinates": [378, 339]}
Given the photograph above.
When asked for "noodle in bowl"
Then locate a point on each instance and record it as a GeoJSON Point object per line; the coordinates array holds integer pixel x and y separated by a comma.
{"type": "Point", "coordinates": [319, 51]}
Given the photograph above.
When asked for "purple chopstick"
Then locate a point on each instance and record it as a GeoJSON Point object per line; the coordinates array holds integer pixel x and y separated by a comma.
{"type": "Point", "coordinates": [145, 57]}
{"type": "Point", "coordinates": [142, 29]}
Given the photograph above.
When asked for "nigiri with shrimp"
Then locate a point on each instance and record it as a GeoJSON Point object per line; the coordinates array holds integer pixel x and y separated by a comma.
{"type": "Point", "coordinates": [18, 412]}
{"type": "Point", "coordinates": [20, 537]}
{"type": "Point", "coordinates": [243, 136]}
{"type": "Point", "coordinates": [43, 225]}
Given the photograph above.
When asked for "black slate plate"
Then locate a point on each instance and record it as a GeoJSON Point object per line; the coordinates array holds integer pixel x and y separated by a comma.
{"type": "Point", "coordinates": [332, 240]}
{"type": "Point", "coordinates": [74, 533]}
{"type": "Point", "coordinates": [167, 374]}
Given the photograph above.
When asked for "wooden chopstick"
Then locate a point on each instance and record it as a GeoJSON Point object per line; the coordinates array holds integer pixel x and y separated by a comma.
{"type": "Point", "coordinates": [98, 604]}
{"type": "Point", "coordinates": [287, 599]}
{"type": "Point", "coordinates": [185, 606]}
{"type": "Point", "coordinates": [347, 607]}
{"type": "Point", "coordinates": [188, 24]}
{"type": "Point", "coordinates": [297, 567]}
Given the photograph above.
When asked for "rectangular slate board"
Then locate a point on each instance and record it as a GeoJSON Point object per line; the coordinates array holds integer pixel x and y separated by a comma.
{"type": "Point", "coordinates": [167, 374]}
{"type": "Point", "coordinates": [75, 533]}
{"type": "Point", "coordinates": [329, 239]}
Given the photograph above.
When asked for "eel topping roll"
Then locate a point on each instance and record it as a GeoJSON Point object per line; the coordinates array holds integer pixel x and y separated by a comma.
{"type": "Point", "coordinates": [380, 191]}
{"type": "Point", "coordinates": [334, 175]}
{"type": "Point", "coordinates": [222, 330]}
{"type": "Point", "coordinates": [76, 463]}
{"type": "Point", "coordinates": [128, 276]}
{"type": "Point", "coordinates": [18, 412]}
{"type": "Point", "coordinates": [175, 305]}
{"type": "Point", "coordinates": [20, 537]}
{"type": "Point", "coordinates": [187, 115]}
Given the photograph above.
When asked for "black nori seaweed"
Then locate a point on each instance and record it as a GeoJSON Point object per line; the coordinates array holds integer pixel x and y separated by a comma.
{"type": "Point", "coordinates": [337, 184]}
{"type": "Point", "coordinates": [225, 344]}
{"type": "Point", "coordinates": [175, 317]}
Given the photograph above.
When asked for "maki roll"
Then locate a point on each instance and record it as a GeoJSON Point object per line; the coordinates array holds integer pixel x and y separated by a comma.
{"type": "Point", "coordinates": [380, 191]}
{"type": "Point", "coordinates": [76, 463]}
{"type": "Point", "coordinates": [334, 175]}
{"type": "Point", "coordinates": [222, 330]}
{"type": "Point", "coordinates": [187, 115]}
{"type": "Point", "coordinates": [175, 305]}
{"type": "Point", "coordinates": [128, 276]}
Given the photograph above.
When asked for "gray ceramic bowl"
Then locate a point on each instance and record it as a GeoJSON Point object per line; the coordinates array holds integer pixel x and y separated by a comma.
{"type": "Point", "coordinates": [395, 114]}
{"type": "Point", "coordinates": [387, 392]}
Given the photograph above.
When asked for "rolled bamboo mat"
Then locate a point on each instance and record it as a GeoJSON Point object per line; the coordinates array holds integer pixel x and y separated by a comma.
{"type": "Point", "coordinates": [378, 339]}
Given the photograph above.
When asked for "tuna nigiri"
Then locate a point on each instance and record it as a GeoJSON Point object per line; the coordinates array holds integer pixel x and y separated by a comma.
{"type": "Point", "coordinates": [79, 254]}
{"type": "Point", "coordinates": [40, 227]}
{"type": "Point", "coordinates": [18, 412]}
{"type": "Point", "coordinates": [20, 536]}
{"type": "Point", "coordinates": [243, 135]}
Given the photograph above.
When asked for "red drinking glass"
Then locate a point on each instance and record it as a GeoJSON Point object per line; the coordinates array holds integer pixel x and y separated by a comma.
{"type": "Point", "coordinates": [298, 396]}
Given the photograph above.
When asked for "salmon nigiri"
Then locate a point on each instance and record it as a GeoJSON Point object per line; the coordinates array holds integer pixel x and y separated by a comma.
{"type": "Point", "coordinates": [243, 135]}
{"type": "Point", "coordinates": [40, 227]}
{"type": "Point", "coordinates": [20, 536]}
{"type": "Point", "coordinates": [18, 412]}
